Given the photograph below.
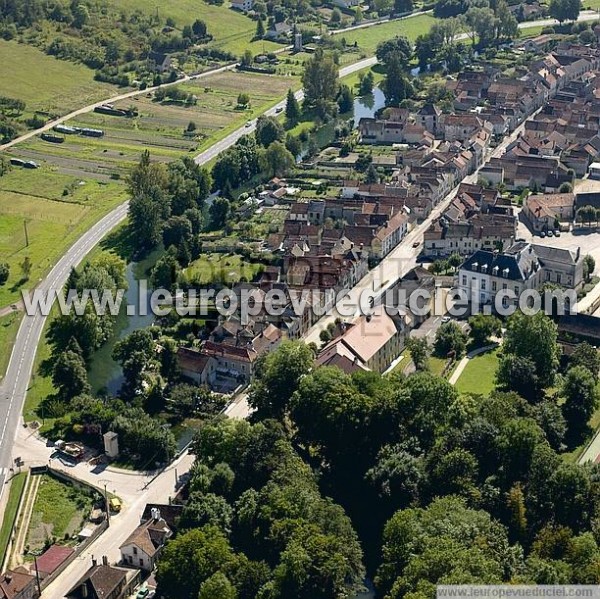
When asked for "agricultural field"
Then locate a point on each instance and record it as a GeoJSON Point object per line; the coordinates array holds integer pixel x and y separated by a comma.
{"type": "Point", "coordinates": [42, 212]}
{"type": "Point", "coordinates": [368, 37]}
{"type": "Point", "coordinates": [160, 126]}
{"type": "Point", "coordinates": [51, 86]}
{"type": "Point", "coordinates": [59, 511]}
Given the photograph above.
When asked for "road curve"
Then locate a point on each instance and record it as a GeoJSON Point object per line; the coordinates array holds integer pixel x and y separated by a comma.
{"type": "Point", "coordinates": [14, 386]}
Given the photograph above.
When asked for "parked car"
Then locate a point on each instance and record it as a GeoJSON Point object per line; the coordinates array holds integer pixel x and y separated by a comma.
{"type": "Point", "coordinates": [143, 593]}
{"type": "Point", "coordinates": [557, 233]}
{"type": "Point", "coordinates": [543, 234]}
{"type": "Point", "coordinates": [416, 244]}
{"type": "Point", "coordinates": [550, 233]}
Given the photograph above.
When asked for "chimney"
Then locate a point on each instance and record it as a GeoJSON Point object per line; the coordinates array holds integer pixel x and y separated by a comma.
{"type": "Point", "coordinates": [105, 560]}
{"type": "Point", "coordinates": [94, 561]}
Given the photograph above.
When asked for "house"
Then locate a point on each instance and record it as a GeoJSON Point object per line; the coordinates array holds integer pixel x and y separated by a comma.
{"type": "Point", "coordinates": [417, 279]}
{"type": "Point", "coordinates": [483, 231]}
{"type": "Point", "coordinates": [144, 545]}
{"type": "Point", "coordinates": [546, 212]}
{"type": "Point", "coordinates": [538, 43]}
{"type": "Point", "coordinates": [346, 3]}
{"type": "Point", "coordinates": [52, 559]}
{"type": "Point", "coordinates": [594, 170]}
{"type": "Point", "coordinates": [242, 5]}
{"type": "Point", "coordinates": [159, 61]}
{"type": "Point", "coordinates": [278, 30]}
{"type": "Point", "coordinates": [372, 342]}
{"type": "Point", "coordinates": [523, 266]}
{"type": "Point", "coordinates": [18, 584]}
{"type": "Point", "coordinates": [428, 117]}
{"type": "Point", "coordinates": [103, 581]}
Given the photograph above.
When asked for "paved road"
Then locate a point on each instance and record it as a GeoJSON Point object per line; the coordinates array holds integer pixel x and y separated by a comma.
{"type": "Point", "coordinates": [250, 126]}
{"type": "Point", "coordinates": [14, 386]}
{"type": "Point", "coordinates": [402, 258]}
{"type": "Point", "coordinates": [117, 98]}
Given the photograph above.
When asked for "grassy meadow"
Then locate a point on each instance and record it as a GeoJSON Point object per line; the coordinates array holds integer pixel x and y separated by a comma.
{"type": "Point", "coordinates": [54, 209]}
{"type": "Point", "coordinates": [46, 84]}
{"type": "Point", "coordinates": [367, 38]}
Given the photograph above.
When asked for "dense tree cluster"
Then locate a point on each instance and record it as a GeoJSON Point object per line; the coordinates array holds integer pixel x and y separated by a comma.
{"type": "Point", "coordinates": [160, 193]}
{"type": "Point", "coordinates": [439, 487]}
{"type": "Point", "coordinates": [256, 524]}
{"type": "Point", "coordinates": [110, 40]}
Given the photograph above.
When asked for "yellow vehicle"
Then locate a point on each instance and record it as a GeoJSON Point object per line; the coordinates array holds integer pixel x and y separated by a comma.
{"type": "Point", "coordinates": [115, 504]}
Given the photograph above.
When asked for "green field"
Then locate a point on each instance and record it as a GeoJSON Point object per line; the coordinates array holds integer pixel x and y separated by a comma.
{"type": "Point", "coordinates": [59, 509]}
{"type": "Point", "coordinates": [33, 201]}
{"type": "Point", "coordinates": [45, 83]}
{"type": "Point", "coordinates": [160, 126]}
{"type": "Point", "coordinates": [10, 513]}
{"type": "Point", "coordinates": [9, 325]}
{"type": "Point", "coordinates": [368, 37]}
{"type": "Point", "coordinates": [479, 374]}
{"type": "Point", "coordinates": [231, 30]}
{"type": "Point", "coordinates": [228, 268]}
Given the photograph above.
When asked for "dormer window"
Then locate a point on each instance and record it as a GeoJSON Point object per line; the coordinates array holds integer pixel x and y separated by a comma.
{"type": "Point", "coordinates": [475, 265]}
{"type": "Point", "coordinates": [505, 273]}
{"type": "Point", "coordinates": [484, 268]}
{"type": "Point", "coordinates": [495, 271]}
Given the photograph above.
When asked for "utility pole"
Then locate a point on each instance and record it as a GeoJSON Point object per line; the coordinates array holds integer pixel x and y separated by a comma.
{"type": "Point", "coordinates": [26, 234]}
{"type": "Point", "coordinates": [37, 576]}
{"type": "Point", "coordinates": [107, 505]}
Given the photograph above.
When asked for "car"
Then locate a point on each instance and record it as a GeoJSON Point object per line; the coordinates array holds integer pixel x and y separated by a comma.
{"type": "Point", "coordinates": [142, 593]}
{"type": "Point", "coordinates": [279, 109]}
{"type": "Point", "coordinates": [543, 234]}
{"type": "Point", "coordinates": [416, 244]}
{"type": "Point", "coordinates": [550, 233]}
{"type": "Point", "coordinates": [557, 233]}
{"type": "Point", "coordinates": [115, 504]}
{"type": "Point", "coordinates": [248, 123]}
{"type": "Point", "coordinates": [446, 319]}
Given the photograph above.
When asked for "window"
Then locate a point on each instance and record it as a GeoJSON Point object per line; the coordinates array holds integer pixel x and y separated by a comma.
{"type": "Point", "coordinates": [558, 277]}
{"type": "Point", "coordinates": [483, 284]}
{"type": "Point", "coordinates": [141, 562]}
{"type": "Point", "coordinates": [494, 285]}
{"type": "Point", "coordinates": [464, 280]}
{"type": "Point", "coordinates": [135, 551]}
{"type": "Point", "coordinates": [504, 286]}
{"type": "Point", "coordinates": [517, 289]}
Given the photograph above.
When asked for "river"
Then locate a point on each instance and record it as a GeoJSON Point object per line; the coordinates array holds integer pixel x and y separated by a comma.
{"type": "Point", "coordinates": [104, 373]}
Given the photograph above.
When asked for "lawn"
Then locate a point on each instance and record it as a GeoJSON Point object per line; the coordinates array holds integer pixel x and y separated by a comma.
{"type": "Point", "coordinates": [9, 325]}
{"type": "Point", "coordinates": [50, 85]}
{"type": "Point", "coordinates": [368, 37]}
{"type": "Point", "coordinates": [59, 510]}
{"type": "Point", "coordinates": [42, 212]}
{"type": "Point", "coordinates": [479, 374]}
{"type": "Point", "coordinates": [227, 268]}
{"type": "Point", "coordinates": [160, 126]}
{"type": "Point", "coordinates": [10, 513]}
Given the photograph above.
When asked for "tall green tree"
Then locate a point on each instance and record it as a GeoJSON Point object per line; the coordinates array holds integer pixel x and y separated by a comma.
{"type": "Point", "coordinates": [320, 81]}
{"type": "Point", "coordinates": [277, 377]}
{"type": "Point", "coordinates": [292, 108]}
